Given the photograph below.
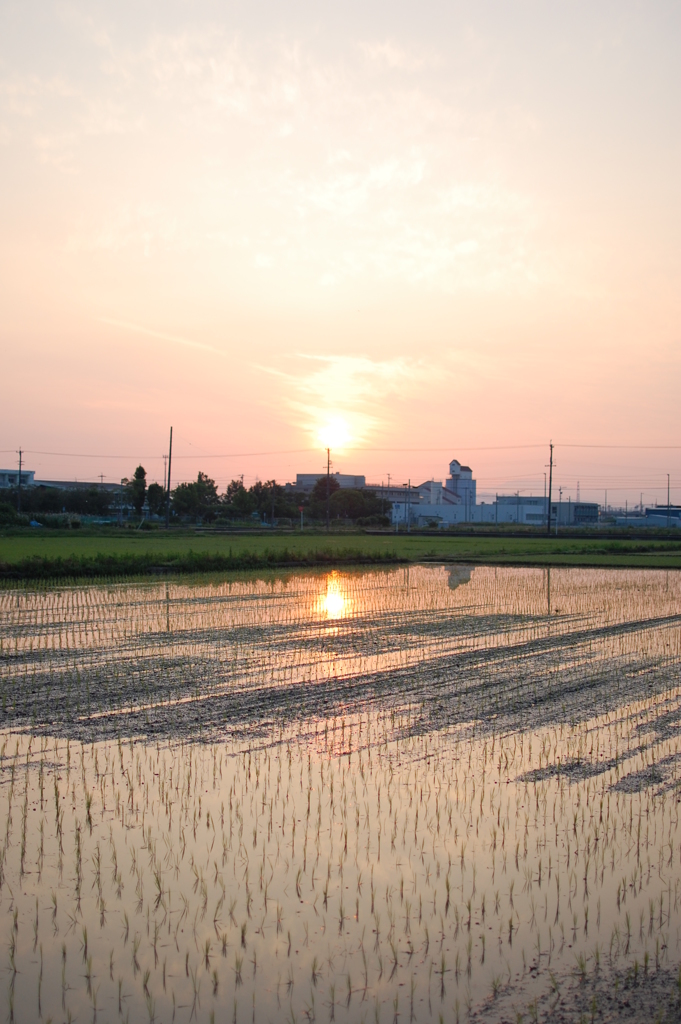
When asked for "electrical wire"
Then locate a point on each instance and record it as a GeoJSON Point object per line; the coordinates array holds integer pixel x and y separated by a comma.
{"type": "Point", "coordinates": [301, 451]}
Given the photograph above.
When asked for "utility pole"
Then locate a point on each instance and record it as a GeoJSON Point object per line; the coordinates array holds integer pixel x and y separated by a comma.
{"type": "Point", "coordinates": [550, 485]}
{"type": "Point", "coordinates": [328, 485]}
{"type": "Point", "coordinates": [409, 506]}
{"type": "Point", "coordinates": [170, 459]}
{"type": "Point", "coordinates": [274, 484]}
{"type": "Point", "coordinates": [668, 509]}
{"type": "Point", "coordinates": [560, 499]}
{"type": "Point", "coordinates": [19, 494]}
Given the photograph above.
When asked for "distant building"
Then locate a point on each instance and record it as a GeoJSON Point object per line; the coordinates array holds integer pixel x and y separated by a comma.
{"type": "Point", "coordinates": [78, 485]}
{"type": "Point", "coordinates": [10, 477]}
{"type": "Point", "coordinates": [451, 502]}
{"type": "Point", "coordinates": [458, 489]}
{"type": "Point", "coordinates": [663, 515]}
{"type": "Point", "coordinates": [575, 513]}
{"type": "Point", "coordinates": [305, 482]}
{"type": "Point", "coordinates": [455, 502]}
{"type": "Point", "coordinates": [518, 508]}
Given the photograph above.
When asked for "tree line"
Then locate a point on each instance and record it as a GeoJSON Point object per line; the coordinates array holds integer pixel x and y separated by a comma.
{"type": "Point", "coordinates": [267, 500]}
{"type": "Point", "coordinates": [199, 501]}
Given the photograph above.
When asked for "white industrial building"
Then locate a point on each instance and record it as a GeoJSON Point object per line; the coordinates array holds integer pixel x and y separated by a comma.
{"type": "Point", "coordinates": [10, 477]}
{"type": "Point", "coordinates": [448, 503]}
{"type": "Point", "coordinates": [455, 502]}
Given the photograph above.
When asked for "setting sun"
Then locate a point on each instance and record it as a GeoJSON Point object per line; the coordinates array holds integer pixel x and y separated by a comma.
{"type": "Point", "coordinates": [334, 433]}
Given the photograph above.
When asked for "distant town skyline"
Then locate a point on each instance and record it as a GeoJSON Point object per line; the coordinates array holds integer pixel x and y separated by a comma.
{"type": "Point", "coordinates": [633, 483]}
{"type": "Point", "coordinates": [410, 232]}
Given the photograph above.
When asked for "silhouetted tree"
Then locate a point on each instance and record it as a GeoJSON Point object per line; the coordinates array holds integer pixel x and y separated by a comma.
{"type": "Point", "coordinates": [237, 502]}
{"type": "Point", "coordinates": [156, 497]}
{"type": "Point", "coordinates": [319, 489]}
{"type": "Point", "coordinates": [137, 489]}
{"type": "Point", "coordinates": [199, 498]}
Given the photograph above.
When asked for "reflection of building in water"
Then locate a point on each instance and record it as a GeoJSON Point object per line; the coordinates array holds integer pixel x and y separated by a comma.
{"type": "Point", "coordinates": [458, 576]}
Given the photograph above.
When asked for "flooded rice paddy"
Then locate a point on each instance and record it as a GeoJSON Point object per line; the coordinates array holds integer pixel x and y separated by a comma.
{"type": "Point", "coordinates": [390, 795]}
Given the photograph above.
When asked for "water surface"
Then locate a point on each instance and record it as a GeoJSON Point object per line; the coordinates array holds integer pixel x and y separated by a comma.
{"type": "Point", "coordinates": [378, 795]}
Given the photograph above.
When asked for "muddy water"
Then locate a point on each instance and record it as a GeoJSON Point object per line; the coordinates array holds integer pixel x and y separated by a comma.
{"type": "Point", "coordinates": [383, 795]}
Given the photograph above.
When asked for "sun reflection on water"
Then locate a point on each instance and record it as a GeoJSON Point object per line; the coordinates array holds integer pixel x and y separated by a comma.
{"type": "Point", "coordinates": [334, 603]}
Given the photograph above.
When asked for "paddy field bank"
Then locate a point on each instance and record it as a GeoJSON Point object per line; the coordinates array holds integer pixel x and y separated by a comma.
{"type": "Point", "coordinates": [71, 553]}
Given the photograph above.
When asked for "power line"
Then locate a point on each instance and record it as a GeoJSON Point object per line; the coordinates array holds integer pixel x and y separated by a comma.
{"type": "Point", "coordinates": [626, 447]}
{"type": "Point", "coordinates": [206, 455]}
{"type": "Point", "coordinates": [449, 448]}
{"type": "Point", "coordinates": [301, 451]}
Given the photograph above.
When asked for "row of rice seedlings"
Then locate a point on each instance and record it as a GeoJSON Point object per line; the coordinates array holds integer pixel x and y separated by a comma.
{"type": "Point", "coordinates": [184, 865]}
{"type": "Point", "coordinates": [112, 642]}
{"type": "Point", "coordinates": [327, 868]}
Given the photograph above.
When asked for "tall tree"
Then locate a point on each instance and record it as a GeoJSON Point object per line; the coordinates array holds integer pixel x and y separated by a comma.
{"type": "Point", "coordinates": [199, 498]}
{"type": "Point", "coordinates": [138, 489]}
{"type": "Point", "coordinates": [156, 497]}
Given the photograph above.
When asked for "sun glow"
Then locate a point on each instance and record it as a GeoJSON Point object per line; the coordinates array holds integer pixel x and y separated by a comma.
{"type": "Point", "coordinates": [334, 433]}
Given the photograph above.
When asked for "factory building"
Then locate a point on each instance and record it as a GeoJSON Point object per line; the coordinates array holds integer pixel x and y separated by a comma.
{"type": "Point", "coordinates": [455, 502]}
{"type": "Point", "coordinates": [10, 477]}
{"type": "Point", "coordinates": [305, 482]}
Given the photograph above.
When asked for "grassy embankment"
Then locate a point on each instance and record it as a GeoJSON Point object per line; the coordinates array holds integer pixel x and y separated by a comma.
{"type": "Point", "coordinates": [71, 554]}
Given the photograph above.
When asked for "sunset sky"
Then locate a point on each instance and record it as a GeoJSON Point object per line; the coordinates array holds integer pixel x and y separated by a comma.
{"type": "Point", "coordinates": [411, 231]}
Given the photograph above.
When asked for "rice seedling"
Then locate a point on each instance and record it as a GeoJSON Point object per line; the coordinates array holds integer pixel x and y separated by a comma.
{"type": "Point", "coordinates": [443, 780]}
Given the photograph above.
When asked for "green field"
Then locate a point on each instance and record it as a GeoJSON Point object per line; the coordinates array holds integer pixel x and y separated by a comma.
{"type": "Point", "coordinates": [191, 551]}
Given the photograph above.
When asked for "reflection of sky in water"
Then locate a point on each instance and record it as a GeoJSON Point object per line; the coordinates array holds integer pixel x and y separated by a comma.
{"type": "Point", "coordinates": [480, 860]}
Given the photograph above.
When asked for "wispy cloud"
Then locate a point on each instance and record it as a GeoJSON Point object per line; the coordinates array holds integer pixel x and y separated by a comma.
{"type": "Point", "coordinates": [160, 335]}
{"type": "Point", "coordinates": [332, 170]}
{"type": "Point", "coordinates": [349, 388]}
{"type": "Point", "coordinates": [389, 54]}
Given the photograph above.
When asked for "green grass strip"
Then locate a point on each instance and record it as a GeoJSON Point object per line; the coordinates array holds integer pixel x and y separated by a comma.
{"type": "Point", "coordinates": [101, 565]}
